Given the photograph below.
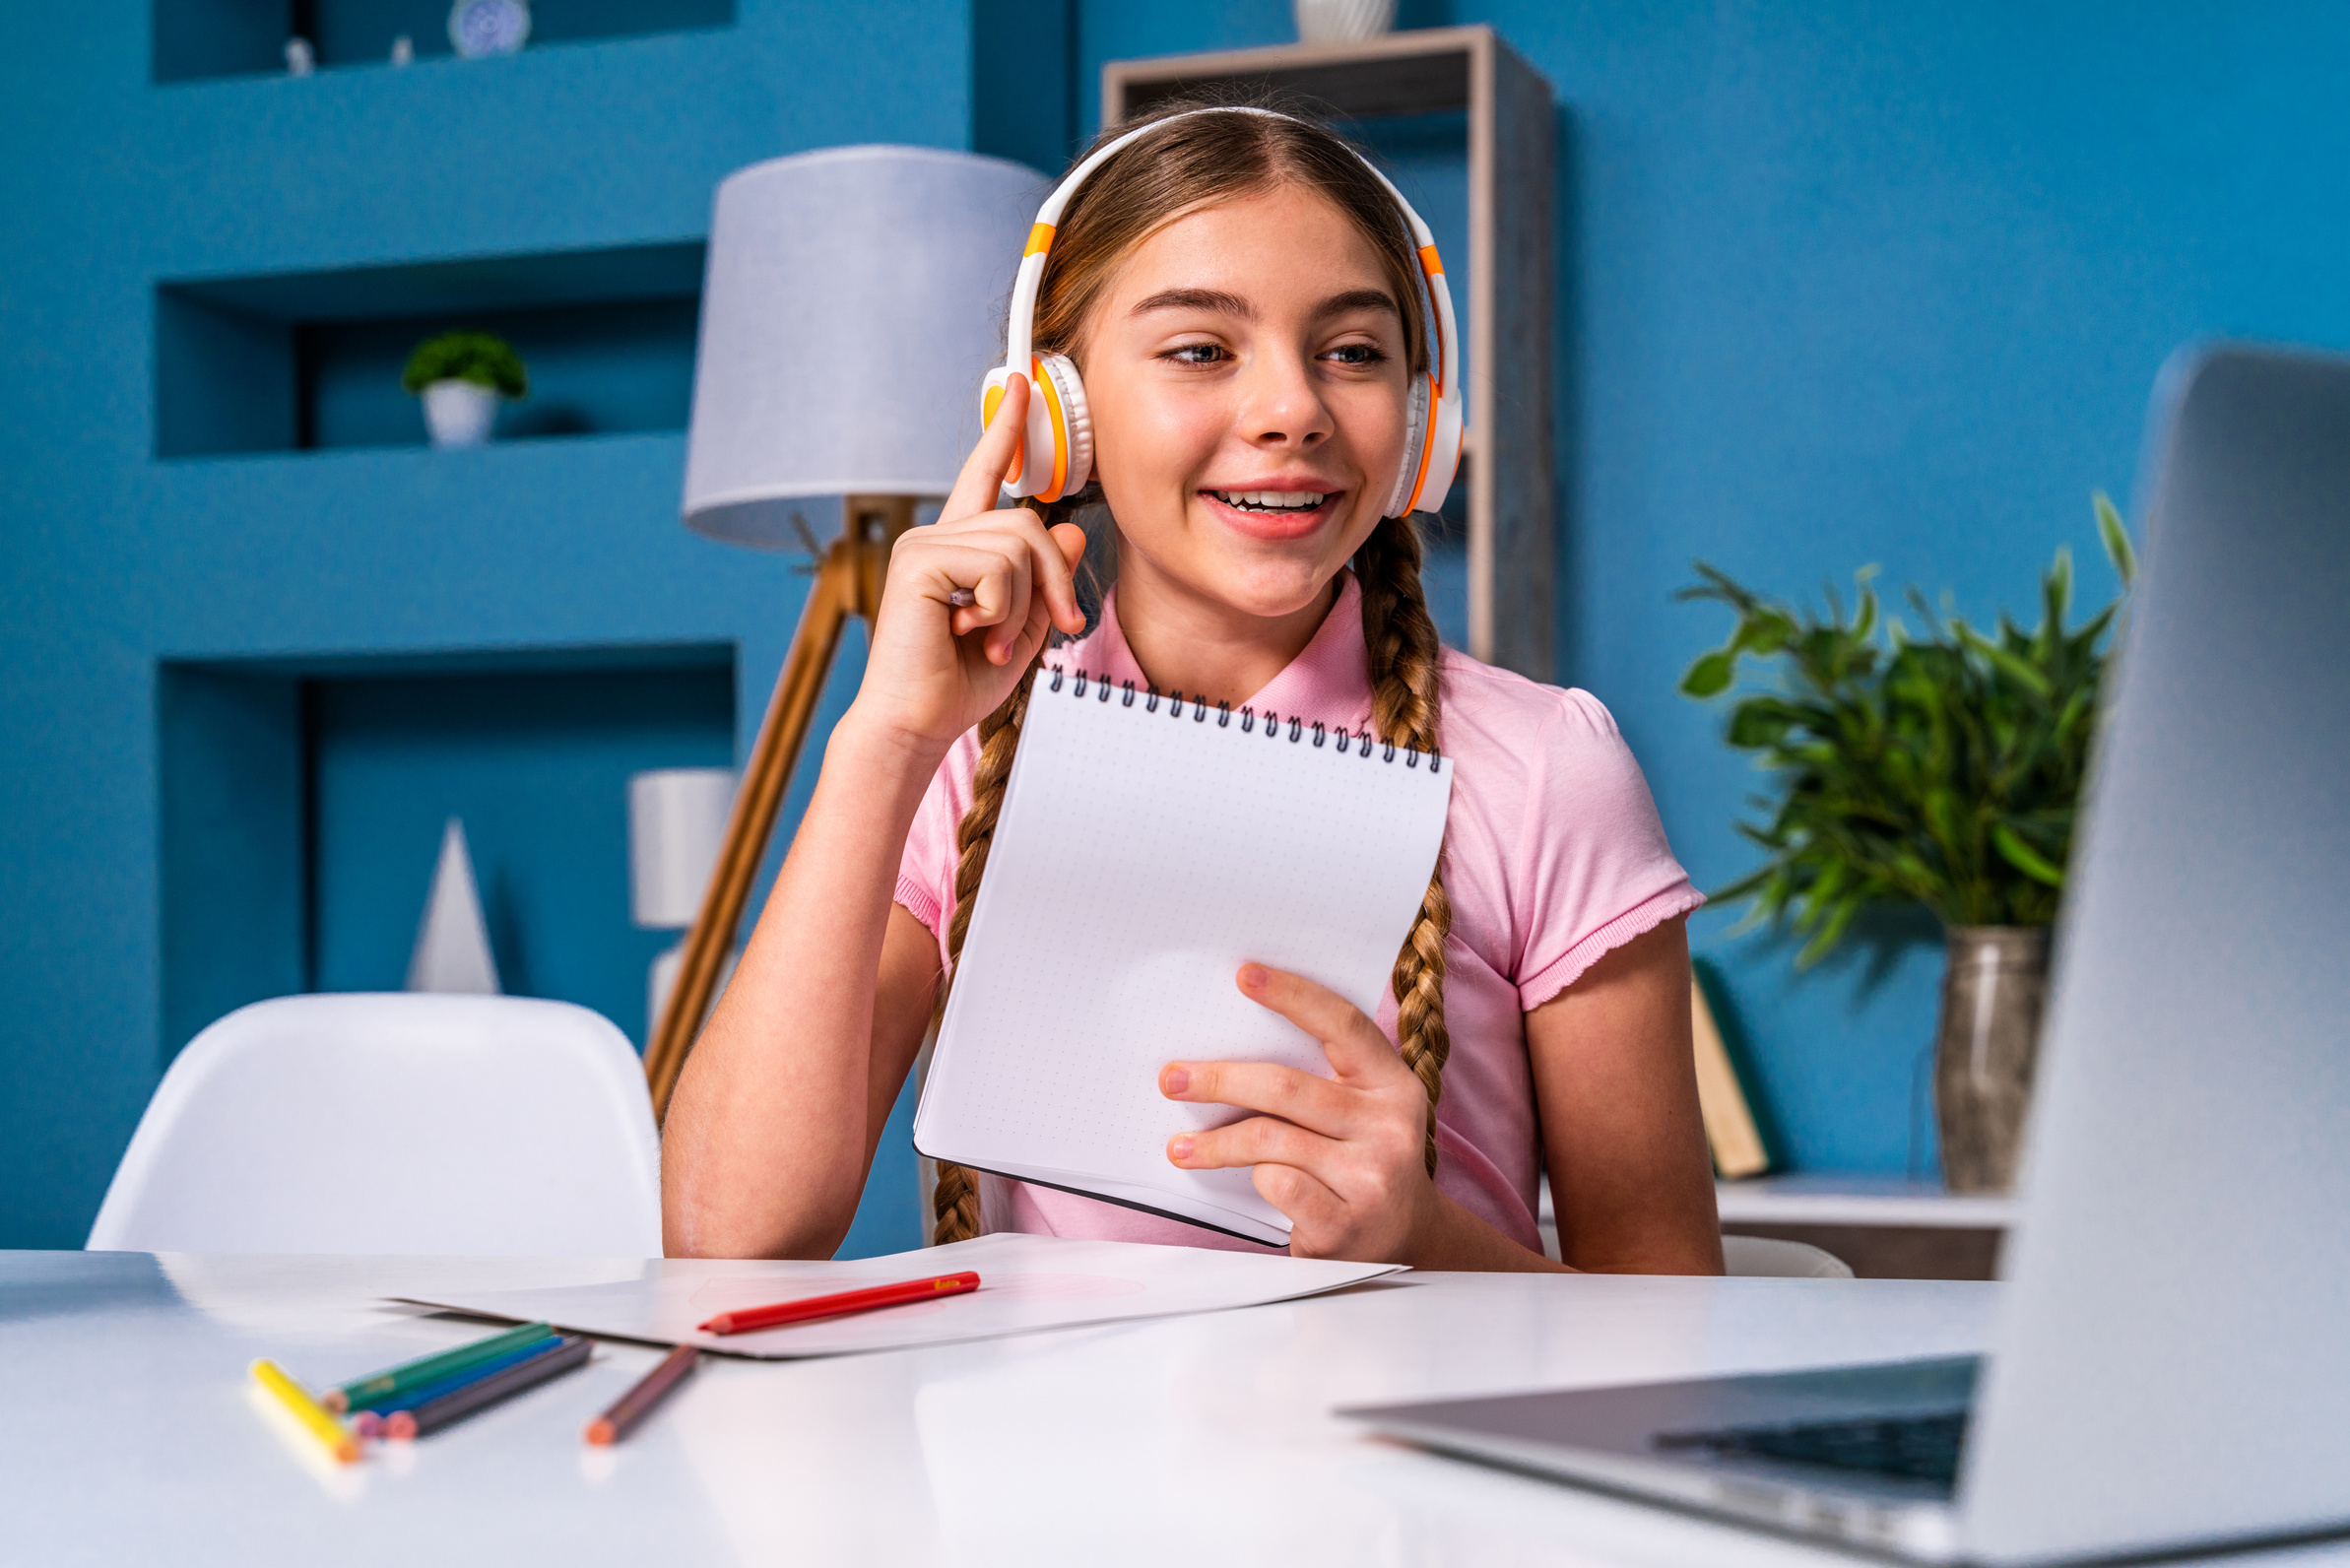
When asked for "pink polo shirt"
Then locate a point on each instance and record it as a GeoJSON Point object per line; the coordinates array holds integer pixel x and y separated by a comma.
{"type": "Point", "coordinates": [1553, 855]}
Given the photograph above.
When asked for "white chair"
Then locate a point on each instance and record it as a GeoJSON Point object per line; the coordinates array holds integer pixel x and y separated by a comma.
{"type": "Point", "coordinates": [425, 1125]}
{"type": "Point", "coordinates": [1764, 1257]}
{"type": "Point", "coordinates": [1747, 1256]}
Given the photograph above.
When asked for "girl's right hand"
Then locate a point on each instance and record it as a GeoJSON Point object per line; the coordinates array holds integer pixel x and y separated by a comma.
{"type": "Point", "coordinates": [937, 667]}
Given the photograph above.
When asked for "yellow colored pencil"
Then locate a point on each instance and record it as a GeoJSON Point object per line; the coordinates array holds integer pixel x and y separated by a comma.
{"type": "Point", "coordinates": [307, 1411]}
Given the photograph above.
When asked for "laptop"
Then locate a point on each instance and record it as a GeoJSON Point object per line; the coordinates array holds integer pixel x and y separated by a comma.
{"type": "Point", "coordinates": [2170, 1368]}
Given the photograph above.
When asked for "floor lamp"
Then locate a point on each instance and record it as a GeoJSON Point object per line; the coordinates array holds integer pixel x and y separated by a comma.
{"type": "Point", "coordinates": [850, 311]}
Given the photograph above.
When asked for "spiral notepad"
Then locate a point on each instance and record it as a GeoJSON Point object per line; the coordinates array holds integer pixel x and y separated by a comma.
{"type": "Point", "coordinates": [1147, 849]}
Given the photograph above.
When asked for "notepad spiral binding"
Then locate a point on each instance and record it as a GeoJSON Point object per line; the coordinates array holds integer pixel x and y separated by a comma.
{"type": "Point", "coordinates": [1076, 681]}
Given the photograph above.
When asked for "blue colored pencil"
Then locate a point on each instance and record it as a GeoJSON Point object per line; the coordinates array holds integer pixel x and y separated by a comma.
{"type": "Point", "coordinates": [370, 1422]}
{"type": "Point", "coordinates": [410, 1398]}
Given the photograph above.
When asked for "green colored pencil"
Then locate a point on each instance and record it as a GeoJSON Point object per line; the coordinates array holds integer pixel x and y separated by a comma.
{"type": "Point", "coordinates": [359, 1392]}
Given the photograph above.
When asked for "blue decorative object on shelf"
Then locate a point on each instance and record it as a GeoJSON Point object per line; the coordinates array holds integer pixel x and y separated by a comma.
{"type": "Point", "coordinates": [479, 27]}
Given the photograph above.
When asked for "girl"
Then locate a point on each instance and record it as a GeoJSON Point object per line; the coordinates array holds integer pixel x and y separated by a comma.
{"type": "Point", "coordinates": [1242, 302]}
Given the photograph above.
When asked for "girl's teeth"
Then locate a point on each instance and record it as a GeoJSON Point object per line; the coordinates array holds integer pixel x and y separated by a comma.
{"type": "Point", "coordinates": [1282, 500]}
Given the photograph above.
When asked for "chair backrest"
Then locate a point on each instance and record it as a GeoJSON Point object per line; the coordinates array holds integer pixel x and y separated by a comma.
{"type": "Point", "coordinates": [1768, 1257]}
{"type": "Point", "coordinates": [426, 1125]}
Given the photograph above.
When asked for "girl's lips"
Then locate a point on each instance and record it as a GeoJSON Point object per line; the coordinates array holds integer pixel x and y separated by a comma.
{"type": "Point", "coordinates": [1272, 525]}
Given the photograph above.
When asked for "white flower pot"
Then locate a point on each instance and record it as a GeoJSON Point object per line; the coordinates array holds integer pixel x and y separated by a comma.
{"type": "Point", "coordinates": [1344, 21]}
{"type": "Point", "coordinates": [460, 413]}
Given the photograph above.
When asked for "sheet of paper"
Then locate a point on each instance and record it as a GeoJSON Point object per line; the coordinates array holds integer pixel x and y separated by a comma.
{"type": "Point", "coordinates": [1145, 852]}
{"type": "Point", "coordinates": [1026, 1283]}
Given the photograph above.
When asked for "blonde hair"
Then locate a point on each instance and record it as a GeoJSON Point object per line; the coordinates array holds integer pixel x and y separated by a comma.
{"type": "Point", "coordinates": [1194, 161]}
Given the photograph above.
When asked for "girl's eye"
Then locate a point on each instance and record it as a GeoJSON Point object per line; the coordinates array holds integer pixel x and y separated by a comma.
{"type": "Point", "coordinates": [1357, 354]}
{"type": "Point", "coordinates": [1197, 354]}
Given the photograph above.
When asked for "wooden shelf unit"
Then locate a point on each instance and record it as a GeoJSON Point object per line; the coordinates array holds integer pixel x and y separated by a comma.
{"type": "Point", "coordinates": [1513, 136]}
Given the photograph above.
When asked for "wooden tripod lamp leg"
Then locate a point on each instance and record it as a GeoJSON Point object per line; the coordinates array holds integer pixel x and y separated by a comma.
{"type": "Point", "coordinates": [847, 584]}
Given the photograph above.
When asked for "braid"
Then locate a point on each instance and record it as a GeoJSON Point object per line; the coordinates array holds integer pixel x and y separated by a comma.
{"type": "Point", "coordinates": [1405, 658]}
{"type": "Point", "coordinates": [955, 1197]}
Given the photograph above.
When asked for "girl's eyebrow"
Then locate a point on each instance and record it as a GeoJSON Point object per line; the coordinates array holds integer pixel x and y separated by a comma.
{"type": "Point", "coordinates": [1338, 304]}
{"type": "Point", "coordinates": [1215, 300]}
{"type": "Point", "coordinates": [1231, 304]}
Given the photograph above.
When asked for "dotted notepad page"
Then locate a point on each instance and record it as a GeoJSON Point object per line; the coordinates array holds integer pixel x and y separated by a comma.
{"type": "Point", "coordinates": [1144, 851]}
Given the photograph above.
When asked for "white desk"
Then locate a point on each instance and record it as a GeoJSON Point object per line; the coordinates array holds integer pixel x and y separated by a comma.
{"type": "Point", "coordinates": [130, 1433]}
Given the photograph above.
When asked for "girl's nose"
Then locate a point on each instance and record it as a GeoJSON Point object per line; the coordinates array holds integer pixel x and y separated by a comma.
{"type": "Point", "coordinates": [1279, 405]}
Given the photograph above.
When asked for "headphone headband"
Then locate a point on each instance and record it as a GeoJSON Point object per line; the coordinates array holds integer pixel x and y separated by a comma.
{"type": "Point", "coordinates": [1020, 330]}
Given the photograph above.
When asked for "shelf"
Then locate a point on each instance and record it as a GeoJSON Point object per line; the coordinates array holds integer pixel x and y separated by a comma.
{"type": "Point", "coordinates": [1884, 1228]}
{"type": "Point", "coordinates": [1847, 1201]}
{"type": "Point", "coordinates": [300, 362]}
{"type": "Point", "coordinates": [198, 39]}
{"type": "Point", "coordinates": [1888, 1201]}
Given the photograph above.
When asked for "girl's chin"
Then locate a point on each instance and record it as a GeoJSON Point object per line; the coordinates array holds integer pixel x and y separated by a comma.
{"type": "Point", "coordinates": [1267, 583]}
{"type": "Point", "coordinates": [1282, 527]}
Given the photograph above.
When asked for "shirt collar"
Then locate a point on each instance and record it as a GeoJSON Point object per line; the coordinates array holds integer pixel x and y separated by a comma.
{"type": "Point", "coordinates": [1330, 680]}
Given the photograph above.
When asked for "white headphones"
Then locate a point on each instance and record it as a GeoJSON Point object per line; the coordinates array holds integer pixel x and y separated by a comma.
{"type": "Point", "coordinates": [1057, 448]}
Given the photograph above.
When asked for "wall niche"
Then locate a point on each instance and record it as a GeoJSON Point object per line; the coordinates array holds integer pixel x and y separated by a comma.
{"type": "Point", "coordinates": [196, 39]}
{"type": "Point", "coordinates": [311, 360]}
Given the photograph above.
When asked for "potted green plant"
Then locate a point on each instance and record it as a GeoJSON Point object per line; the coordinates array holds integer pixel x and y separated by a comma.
{"type": "Point", "coordinates": [461, 376]}
{"type": "Point", "coordinates": [1941, 770]}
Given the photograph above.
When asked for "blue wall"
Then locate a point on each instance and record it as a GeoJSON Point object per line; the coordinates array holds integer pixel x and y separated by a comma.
{"type": "Point", "coordinates": [1842, 284]}
{"type": "Point", "coordinates": [114, 561]}
{"type": "Point", "coordinates": [1852, 282]}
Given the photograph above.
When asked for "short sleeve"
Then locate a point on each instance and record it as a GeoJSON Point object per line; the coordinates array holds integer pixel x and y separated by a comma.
{"type": "Point", "coordinates": [1598, 871]}
{"type": "Point", "coordinates": [926, 870]}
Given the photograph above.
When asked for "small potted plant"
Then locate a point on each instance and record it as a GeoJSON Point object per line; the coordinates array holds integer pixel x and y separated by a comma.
{"type": "Point", "coordinates": [461, 376]}
{"type": "Point", "coordinates": [1943, 772]}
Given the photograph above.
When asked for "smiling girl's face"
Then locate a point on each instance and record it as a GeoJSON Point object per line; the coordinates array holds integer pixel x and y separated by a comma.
{"type": "Point", "coordinates": [1247, 374]}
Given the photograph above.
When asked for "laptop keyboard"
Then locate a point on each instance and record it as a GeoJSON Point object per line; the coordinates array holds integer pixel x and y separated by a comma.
{"type": "Point", "coordinates": [1922, 1448]}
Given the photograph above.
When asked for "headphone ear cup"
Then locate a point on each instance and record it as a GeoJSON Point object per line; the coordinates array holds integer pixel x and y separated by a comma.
{"type": "Point", "coordinates": [1071, 427]}
{"type": "Point", "coordinates": [1415, 442]}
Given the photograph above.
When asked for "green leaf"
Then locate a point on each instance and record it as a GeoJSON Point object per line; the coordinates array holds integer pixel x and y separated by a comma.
{"type": "Point", "coordinates": [2018, 668]}
{"type": "Point", "coordinates": [2024, 858]}
{"type": "Point", "coordinates": [1820, 945]}
{"type": "Point", "coordinates": [2055, 596]}
{"type": "Point", "coordinates": [1710, 676]}
{"type": "Point", "coordinates": [1765, 632]}
{"type": "Point", "coordinates": [1759, 724]}
{"type": "Point", "coordinates": [1718, 585]}
{"type": "Point", "coordinates": [2117, 539]}
{"type": "Point", "coordinates": [477, 357]}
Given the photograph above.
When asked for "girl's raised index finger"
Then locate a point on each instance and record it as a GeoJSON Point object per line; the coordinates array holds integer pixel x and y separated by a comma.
{"type": "Point", "coordinates": [977, 487]}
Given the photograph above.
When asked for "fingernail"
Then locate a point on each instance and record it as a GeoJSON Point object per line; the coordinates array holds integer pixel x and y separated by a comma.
{"type": "Point", "coordinates": [1179, 1149]}
{"type": "Point", "coordinates": [1178, 1080]}
{"type": "Point", "coordinates": [1253, 976]}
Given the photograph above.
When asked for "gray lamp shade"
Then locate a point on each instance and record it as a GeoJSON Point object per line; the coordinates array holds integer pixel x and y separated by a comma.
{"type": "Point", "coordinates": [853, 306]}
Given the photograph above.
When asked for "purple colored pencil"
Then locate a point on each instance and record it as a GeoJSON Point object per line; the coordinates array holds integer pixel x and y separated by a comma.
{"type": "Point", "coordinates": [631, 1406]}
{"type": "Point", "coordinates": [565, 1355]}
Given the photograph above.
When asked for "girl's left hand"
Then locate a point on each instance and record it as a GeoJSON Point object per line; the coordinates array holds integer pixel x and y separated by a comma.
{"type": "Point", "coordinates": [1342, 1157]}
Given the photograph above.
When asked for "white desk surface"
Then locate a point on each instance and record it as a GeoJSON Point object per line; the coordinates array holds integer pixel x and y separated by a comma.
{"type": "Point", "coordinates": [131, 1434]}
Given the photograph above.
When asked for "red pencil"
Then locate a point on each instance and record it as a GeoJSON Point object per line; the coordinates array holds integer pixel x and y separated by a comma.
{"type": "Point", "coordinates": [832, 1306]}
